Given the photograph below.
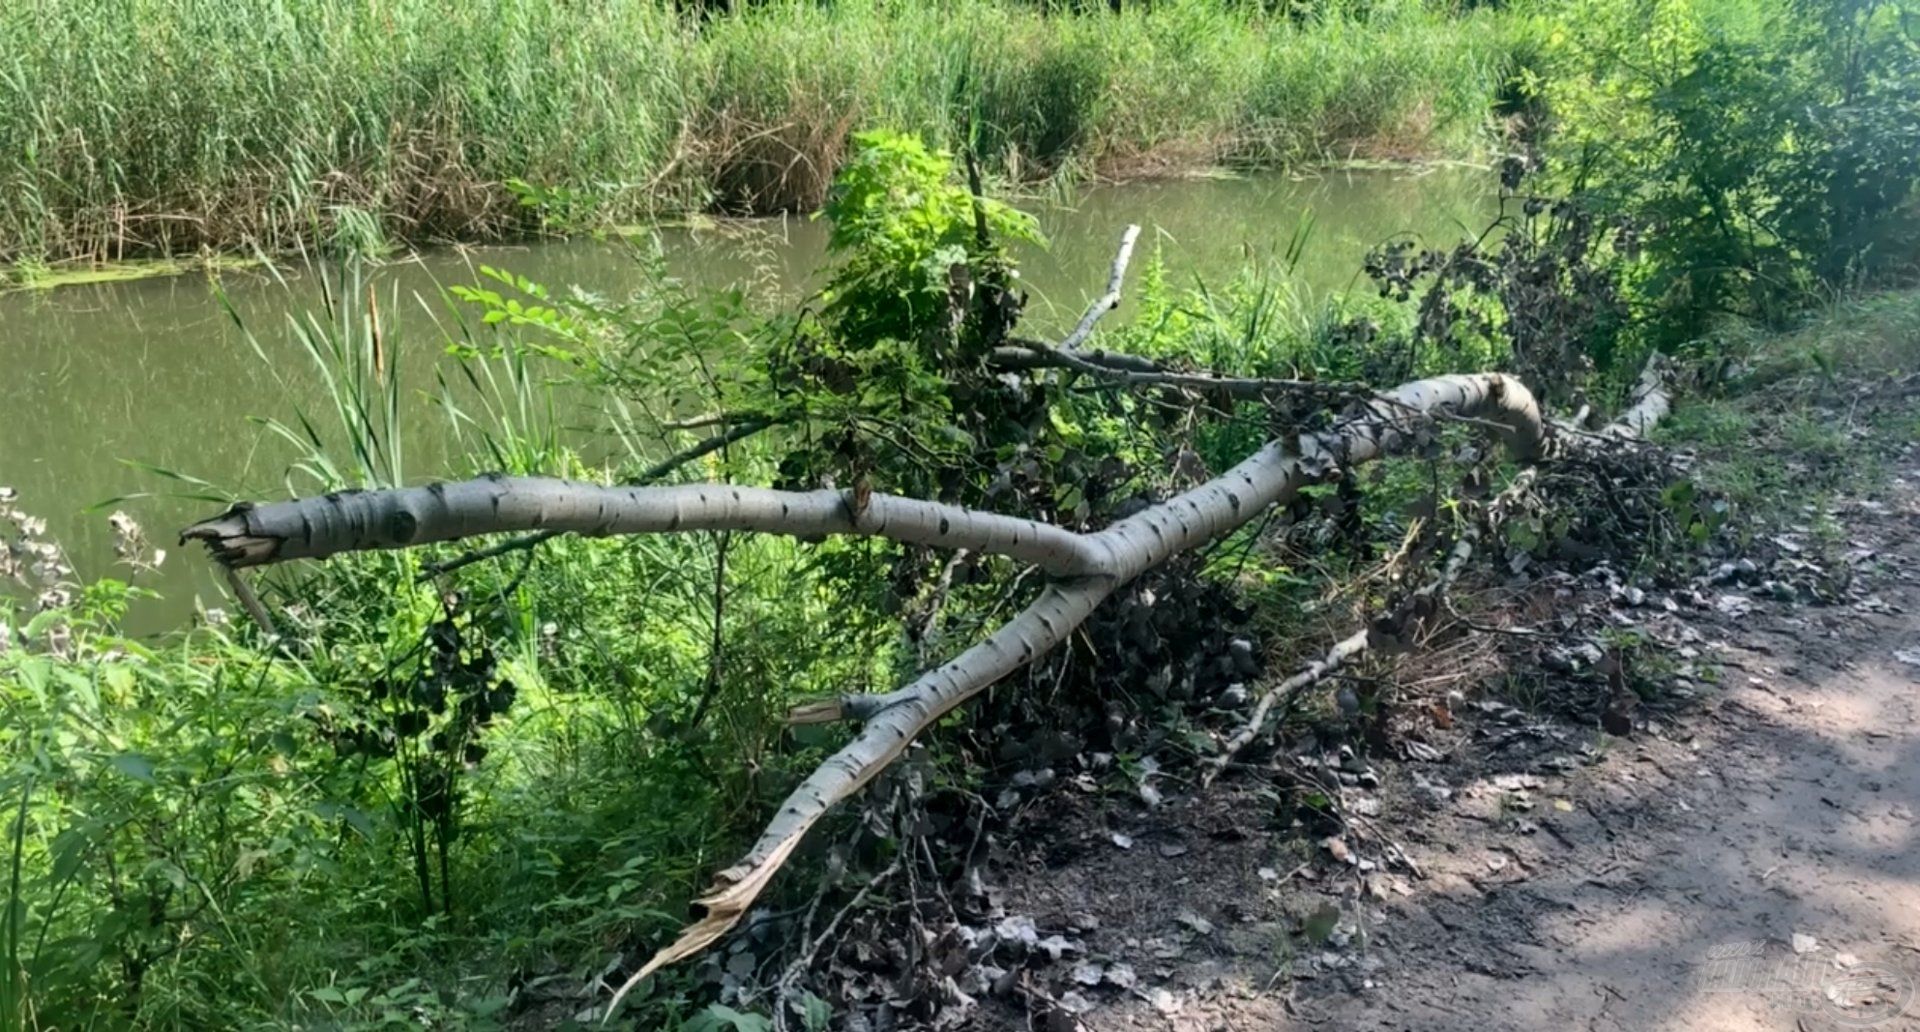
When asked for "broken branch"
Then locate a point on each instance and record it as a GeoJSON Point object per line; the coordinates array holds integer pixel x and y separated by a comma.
{"type": "Point", "coordinates": [1108, 301]}
{"type": "Point", "coordinates": [745, 428]}
{"type": "Point", "coordinates": [1086, 568]}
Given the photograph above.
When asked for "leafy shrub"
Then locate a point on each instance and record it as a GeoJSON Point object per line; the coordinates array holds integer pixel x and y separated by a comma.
{"type": "Point", "coordinates": [1772, 151]}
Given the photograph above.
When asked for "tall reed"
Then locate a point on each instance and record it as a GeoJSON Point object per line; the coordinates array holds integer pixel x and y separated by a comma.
{"type": "Point", "coordinates": [142, 127]}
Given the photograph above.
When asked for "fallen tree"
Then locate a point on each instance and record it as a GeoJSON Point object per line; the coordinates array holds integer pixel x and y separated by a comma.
{"type": "Point", "coordinates": [1082, 569]}
{"type": "Point", "coordinates": [1648, 403]}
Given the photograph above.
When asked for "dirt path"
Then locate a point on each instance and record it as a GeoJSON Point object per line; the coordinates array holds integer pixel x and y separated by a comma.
{"type": "Point", "coordinates": [1740, 863]}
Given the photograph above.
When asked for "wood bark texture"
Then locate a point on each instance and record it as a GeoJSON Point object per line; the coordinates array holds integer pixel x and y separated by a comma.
{"type": "Point", "coordinates": [1084, 569]}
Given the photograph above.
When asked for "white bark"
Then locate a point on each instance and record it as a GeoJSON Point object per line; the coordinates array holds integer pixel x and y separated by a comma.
{"type": "Point", "coordinates": [314, 528]}
{"type": "Point", "coordinates": [1086, 568]}
{"type": "Point", "coordinates": [1649, 403]}
{"type": "Point", "coordinates": [1108, 301]}
{"type": "Point", "coordinates": [1339, 655]}
{"type": "Point", "coordinates": [1083, 568]}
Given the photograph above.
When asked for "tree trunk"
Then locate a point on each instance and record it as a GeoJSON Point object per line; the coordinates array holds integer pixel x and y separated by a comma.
{"type": "Point", "coordinates": [1084, 568]}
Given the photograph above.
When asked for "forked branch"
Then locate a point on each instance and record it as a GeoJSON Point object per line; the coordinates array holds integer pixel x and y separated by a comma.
{"type": "Point", "coordinates": [1085, 568]}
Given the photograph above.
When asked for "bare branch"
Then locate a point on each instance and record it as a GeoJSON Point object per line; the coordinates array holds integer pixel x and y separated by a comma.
{"type": "Point", "coordinates": [1649, 403]}
{"type": "Point", "coordinates": [249, 535]}
{"type": "Point", "coordinates": [1343, 652]}
{"type": "Point", "coordinates": [1059, 610]}
{"type": "Point", "coordinates": [1130, 370]}
{"type": "Point", "coordinates": [1108, 301]}
{"type": "Point", "coordinates": [250, 602]}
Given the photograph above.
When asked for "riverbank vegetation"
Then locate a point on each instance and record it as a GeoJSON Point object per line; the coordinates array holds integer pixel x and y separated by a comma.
{"type": "Point", "coordinates": [164, 127]}
{"type": "Point", "coordinates": [425, 788]}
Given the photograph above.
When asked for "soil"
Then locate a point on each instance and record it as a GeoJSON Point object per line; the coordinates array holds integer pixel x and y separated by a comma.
{"type": "Point", "coordinates": [1745, 857]}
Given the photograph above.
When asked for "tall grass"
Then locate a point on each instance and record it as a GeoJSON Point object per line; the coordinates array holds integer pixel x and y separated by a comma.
{"type": "Point", "coordinates": [141, 127]}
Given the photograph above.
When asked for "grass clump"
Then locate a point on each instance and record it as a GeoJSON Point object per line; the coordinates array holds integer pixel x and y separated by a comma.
{"type": "Point", "coordinates": [1807, 413]}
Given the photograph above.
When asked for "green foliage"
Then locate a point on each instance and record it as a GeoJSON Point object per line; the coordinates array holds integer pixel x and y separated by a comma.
{"type": "Point", "coordinates": [1773, 151]}
{"type": "Point", "coordinates": [530, 764]}
{"type": "Point", "coordinates": [904, 230]}
{"type": "Point", "coordinates": [721, 1018]}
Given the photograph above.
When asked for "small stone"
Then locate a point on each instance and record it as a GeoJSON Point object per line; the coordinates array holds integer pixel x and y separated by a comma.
{"type": "Point", "coordinates": [1804, 944]}
{"type": "Point", "coordinates": [1123, 841]}
{"type": "Point", "coordinates": [1165, 1002]}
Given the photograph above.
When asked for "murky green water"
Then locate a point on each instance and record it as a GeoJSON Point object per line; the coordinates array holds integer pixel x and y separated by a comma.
{"type": "Point", "coordinates": [98, 383]}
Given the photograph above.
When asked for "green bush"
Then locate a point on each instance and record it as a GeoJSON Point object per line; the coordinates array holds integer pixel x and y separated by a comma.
{"type": "Point", "coordinates": [1771, 151]}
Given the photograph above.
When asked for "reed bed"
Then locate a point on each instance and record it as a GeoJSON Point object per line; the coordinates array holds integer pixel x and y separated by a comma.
{"type": "Point", "coordinates": [134, 128]}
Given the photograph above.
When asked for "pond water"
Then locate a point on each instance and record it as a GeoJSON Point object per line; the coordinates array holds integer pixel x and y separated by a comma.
{"type": "Point", "coordinates": [101, 384]}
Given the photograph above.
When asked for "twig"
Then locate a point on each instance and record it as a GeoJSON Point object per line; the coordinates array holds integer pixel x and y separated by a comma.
{"type": "Point", "coordinates": [1347, 649]}
{"type": "Point", "coordinates": [251, 602]}
{"type": "Point", "coordinates": [1373, 827]}
{"type": "Point", "coordinates": [805, 960]}
{"type": "Point", "coordinates": [1108, 301]}
{"type": "Point", "coordinates": [701, 422]}
{"type": "Point", "coordinates": [979, 197]}
{"type": "Point", "coordinates": [716, 650]}
{"type": "Point", "coordinates": [937, 601]}
{"type": "Point", "coordinates": [522, 543]}
{"type": "Point", "coordinates": [1134, 371]}
{"type": "Point", "coordinates": [1342, 652]}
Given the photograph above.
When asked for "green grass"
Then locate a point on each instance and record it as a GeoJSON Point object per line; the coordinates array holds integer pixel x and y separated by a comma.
{"type": "Point", "coordinates": [1789, 429]}
{"type": "Point", "coordinates": [163, 127]}
{"type": "Point", "coordinates": [190, 767]}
